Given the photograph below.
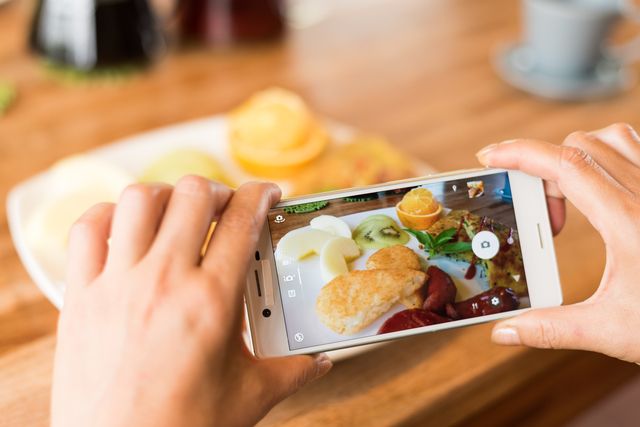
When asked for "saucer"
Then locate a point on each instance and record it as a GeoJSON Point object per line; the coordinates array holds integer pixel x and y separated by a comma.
{"type": "Point", "coordinates": [515, 63]}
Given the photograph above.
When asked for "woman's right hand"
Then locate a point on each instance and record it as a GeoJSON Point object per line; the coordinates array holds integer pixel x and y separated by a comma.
{"type": "Point", "coordinates": [599, 172]}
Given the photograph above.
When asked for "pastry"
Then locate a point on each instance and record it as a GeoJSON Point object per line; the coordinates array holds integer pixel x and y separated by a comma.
{"type": "Point", "coordinates": [351, 301]}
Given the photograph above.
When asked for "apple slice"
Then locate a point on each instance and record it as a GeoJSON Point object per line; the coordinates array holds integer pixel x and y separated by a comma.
{"type": "Point", "coordinates": [300, 243]}
{"type": "Point", "coordinates": [334, 256]}
{"type": "Point", "coordinates": [332, 225]}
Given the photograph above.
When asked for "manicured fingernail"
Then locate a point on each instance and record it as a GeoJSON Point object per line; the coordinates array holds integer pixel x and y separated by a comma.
{"type": "Point", "coordinates": [324, 363]}
{"type": "Point", "coordinates": [481, 155]}
{"type": "Point", "coordinates": [506, 335]}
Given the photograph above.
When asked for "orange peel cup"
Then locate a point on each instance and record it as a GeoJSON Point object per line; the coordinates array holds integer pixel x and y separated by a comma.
{"type": "Point", "coordinates": [418, 222]}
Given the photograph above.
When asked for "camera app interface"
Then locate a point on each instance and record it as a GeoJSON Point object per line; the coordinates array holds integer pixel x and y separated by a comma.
{"type": "Point", "coordinates": [387, 261]}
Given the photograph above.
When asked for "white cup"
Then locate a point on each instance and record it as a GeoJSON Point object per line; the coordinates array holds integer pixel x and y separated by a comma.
{"type": "Point", "coordinates": [567, 37]}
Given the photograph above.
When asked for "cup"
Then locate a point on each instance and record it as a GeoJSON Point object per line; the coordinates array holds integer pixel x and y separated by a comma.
{"type": "Point", "coordinates": [567, 38]}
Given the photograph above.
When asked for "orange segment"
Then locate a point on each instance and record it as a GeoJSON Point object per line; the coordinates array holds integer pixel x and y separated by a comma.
{"type": "Point", "coordinates": [419, 201]}
{"type": "Point", "coordinates": [417, 222]}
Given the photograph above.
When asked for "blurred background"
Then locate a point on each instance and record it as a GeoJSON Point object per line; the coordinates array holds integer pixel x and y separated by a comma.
{"type": "Point", "coordinates": [315, 95]}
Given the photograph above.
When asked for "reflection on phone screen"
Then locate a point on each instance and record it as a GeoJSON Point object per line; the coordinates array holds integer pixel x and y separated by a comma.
{"type": "Point", "coordinates": [382, 262]}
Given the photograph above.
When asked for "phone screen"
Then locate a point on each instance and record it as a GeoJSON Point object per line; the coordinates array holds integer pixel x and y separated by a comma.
{"type": "Point", "coordinates": [381, 262]}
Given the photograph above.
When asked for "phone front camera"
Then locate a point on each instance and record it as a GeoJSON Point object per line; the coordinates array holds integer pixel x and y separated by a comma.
{"type": "Point", "coordinates": [266, 312]}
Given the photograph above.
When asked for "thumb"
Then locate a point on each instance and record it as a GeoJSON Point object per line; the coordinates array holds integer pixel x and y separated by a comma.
{"type": "Point", "coordinates": [286, 375]}
{"type": "Point", "coordinates": [580, 326]}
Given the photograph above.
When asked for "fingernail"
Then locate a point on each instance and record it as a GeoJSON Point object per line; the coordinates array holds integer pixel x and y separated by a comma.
{"type": "Point", "coordinates": [482, 154]}
{"type": "Point", "coordinates": [276, 192]}
{"type": "Point", "coordinates": [324, 363]}
{"type": "Point", "coordinates": [508, 141]}
{"type": "Point", "coordinates": [506, 335]}
{"type": "Point", "coordinates": [486, 149]}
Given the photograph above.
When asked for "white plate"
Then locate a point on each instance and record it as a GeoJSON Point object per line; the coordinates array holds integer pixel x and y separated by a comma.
{"type": "Point", "coordinates": [311, 283]}
{"type": "Point", "coordinates": [134, 154]}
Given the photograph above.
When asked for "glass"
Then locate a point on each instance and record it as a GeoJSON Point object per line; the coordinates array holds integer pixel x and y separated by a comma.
{"type": "Point", "coordinates": [90, 34]}
{"type": "Point", "coordinates": [223, 22]}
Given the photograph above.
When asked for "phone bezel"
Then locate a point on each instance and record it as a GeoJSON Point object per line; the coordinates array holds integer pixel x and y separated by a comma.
{"type": "Point", "coordinates": [269, 336]}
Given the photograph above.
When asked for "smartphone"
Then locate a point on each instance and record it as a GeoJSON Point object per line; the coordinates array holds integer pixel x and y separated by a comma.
{"type": "Point", "coordinates": [363, 265]}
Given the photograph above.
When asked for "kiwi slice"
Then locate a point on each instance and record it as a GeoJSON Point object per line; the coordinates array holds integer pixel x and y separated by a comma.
{"type": "Point", "coordinates": [379, 231]}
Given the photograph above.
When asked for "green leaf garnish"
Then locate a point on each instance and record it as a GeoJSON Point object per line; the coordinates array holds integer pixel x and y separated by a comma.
{"type": "Point", "coordinates": [455, 247]}
{"type": "Point", "coordinates": [305, 207]}
{"type": "Point", "coordinates": [425, 238]}
{"type": "Point", "coordinates": [441, 244]}
{"type": "Point", "coordinates": [445, 236]}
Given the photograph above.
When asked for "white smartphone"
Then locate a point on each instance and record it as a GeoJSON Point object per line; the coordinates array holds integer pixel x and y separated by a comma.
{"type": "Point", "coordinates": [363, 265]}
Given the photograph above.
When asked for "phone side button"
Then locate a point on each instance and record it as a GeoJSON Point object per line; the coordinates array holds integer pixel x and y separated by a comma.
{"type": "Point", "coordinates": [267, 280]}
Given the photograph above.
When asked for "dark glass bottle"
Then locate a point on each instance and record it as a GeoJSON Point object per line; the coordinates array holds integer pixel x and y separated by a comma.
{"type": "Point", "coordinates": [223, 22]}
{"type": "Point", "coordinates": [92, 34]}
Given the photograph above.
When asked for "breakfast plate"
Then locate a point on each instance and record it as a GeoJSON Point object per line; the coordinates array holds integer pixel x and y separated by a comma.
{"type": "Point", "coordinates": [352, 267]}
{"type": "Point", "coordinates": [307, 273]}
{"type": "Point", "coordinates": [131, 155]}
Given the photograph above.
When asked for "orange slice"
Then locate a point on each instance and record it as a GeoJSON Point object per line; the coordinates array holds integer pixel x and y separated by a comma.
{"type": "Point", "coordinates": [416, 221]}
{"type": "Point", "coordinates": [419, 201]}
{"type": "Point", "coordinates": [273, 163]}
{"type": "Point", "coordinates": [274, 135]}
{"type": "Point", "coordinates": [274, 118]}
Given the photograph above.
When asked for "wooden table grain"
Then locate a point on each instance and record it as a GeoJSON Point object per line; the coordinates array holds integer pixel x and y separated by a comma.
{"type": "Point", "coordinates": [415, 71]}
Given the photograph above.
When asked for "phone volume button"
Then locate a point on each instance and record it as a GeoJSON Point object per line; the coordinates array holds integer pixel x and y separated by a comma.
{"type": "Point", "coordinates": [267, 280]}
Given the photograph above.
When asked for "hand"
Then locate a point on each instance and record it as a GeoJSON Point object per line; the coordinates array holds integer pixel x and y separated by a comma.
{"type": "Point", "coordinates": [599, 172]}
{"type": "Point", "coordinates": [150, 332]}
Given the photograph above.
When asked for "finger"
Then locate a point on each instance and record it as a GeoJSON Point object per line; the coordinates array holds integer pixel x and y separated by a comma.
{"type": "Point", "coordinates": [237, 232]}
{"type": "Point", "coordinates": [135, 223]}
{"type": "Point", "coordinates": [284, 376]}
{"type": "Point", "coordinates": [194, 204]}
{"type": "Point", "coordinates": [555, 206]}
{"type": "Point", "coordinates": [622, 138]}
{"type": "Point", "coordinates": [589, 187]}
{"type": "Point", "coordinates": [88, 246]}
{"type": "Point", "coordinates": [557, 214]}
{"type": "Point", "coordinates": [582, 326]}
{"type": "Point", "coordinates": [616, 165]}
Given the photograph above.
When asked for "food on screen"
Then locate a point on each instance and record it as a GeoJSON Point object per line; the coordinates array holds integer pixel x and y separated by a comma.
{"type": "Point", "coordinates": [409, 319]}
{"type": "Point", "coordinates": [418, 209]}
{"type": "Point", "coordinates": [505, 269]}
{"type": "Point", "coordinates": [379, 231]}
{"type": "Point", "coordinates": [351, 301]}
{"type": "Point", "coordinates": [301, 243]}
{"type": "Point", "coordinates": [327, 236]}
{"type": "Point", "coordinates": [398, 256]}
{"type": "Point", "coordinates": [332, 225]}
{"type": "Point", "coordinates": [475, 189]}
{"type": "Point", "coordinates": [377, 272]}
{"type": "Point", "coordinates": [496, 300]}
{"type": "Point", "coordinates": [334, 256]}
{"type": "Point", "coordinates": [439, 292]}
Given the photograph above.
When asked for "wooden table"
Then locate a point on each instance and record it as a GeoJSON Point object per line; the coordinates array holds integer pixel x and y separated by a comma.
{"type": "Point", "coordinates": [416, 71]}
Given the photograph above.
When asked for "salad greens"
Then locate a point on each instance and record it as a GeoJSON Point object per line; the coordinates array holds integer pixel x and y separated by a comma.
{"type": "Point", "coordinates": [306, 207]}
{"type": "Point", "coordinates": [442, 244]}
